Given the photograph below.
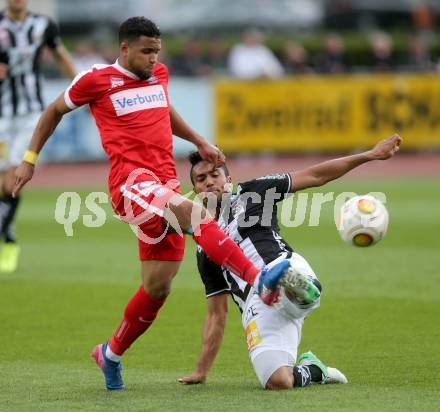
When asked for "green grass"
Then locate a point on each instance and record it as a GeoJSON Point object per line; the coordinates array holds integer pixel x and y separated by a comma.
{"type": "Point", "coordinates": [378, 322]}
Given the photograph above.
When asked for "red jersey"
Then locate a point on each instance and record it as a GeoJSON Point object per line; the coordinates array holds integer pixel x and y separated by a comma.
{"type": "Point", "coordinates": [133, 118]}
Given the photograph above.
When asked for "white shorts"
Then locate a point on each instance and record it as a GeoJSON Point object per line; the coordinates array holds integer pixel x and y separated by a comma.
{"type": "Point", "coordinates": [15, 136]}
{"type": "Point", "coordinates": [273, 333]}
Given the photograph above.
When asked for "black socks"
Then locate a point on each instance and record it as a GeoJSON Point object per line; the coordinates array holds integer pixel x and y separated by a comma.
{"type": "Point", "coordinates": [306, 374]}
{"type": "Point", "coordinates": [8, 208]}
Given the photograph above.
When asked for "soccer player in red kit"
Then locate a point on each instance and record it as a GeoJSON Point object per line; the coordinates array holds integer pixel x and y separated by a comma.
{"type": "Point", "coordinates": [129, 101]}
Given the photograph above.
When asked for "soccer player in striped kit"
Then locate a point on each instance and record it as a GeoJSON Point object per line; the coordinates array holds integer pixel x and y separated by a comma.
{"type": "Point", "coordinates": [23, 35]}
{"type": "Point", "coordinates": [249, 216]}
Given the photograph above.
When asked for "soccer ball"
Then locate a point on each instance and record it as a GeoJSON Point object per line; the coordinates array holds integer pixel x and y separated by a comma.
{"type": "Point", "coordinates": [362, 221]}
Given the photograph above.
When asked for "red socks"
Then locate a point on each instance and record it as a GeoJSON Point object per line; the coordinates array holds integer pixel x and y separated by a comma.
{"type": "Point", "coordinates": [222, 250]}
{"type": "Point", "coordinates": [139, 314]}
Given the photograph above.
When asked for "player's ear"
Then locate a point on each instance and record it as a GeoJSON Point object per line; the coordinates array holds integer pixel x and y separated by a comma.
{"type": "Point", "coordinates": [228, 187]}
{"type": "Point", "coordinates": [123, 48]}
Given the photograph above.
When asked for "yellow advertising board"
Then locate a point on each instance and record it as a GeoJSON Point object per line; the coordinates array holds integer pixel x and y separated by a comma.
{"type": "Point", "coordinates": [316, 113]}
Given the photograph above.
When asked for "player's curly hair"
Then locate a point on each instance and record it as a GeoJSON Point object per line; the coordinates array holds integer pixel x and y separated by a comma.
{"type": "Point", "coordinates": [135, 27]}
{"type": "Point", "coordinates": [194, 158]}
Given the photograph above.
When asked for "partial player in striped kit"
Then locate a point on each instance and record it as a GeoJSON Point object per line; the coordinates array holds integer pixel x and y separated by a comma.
{"type": "Point", "coordinates": [249, 217]}
{"type": "Point", "coordinates": [23, 35]}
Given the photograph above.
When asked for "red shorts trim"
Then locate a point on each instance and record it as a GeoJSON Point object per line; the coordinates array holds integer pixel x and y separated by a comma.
{"type": "Point", "coordinates": [142, 204]}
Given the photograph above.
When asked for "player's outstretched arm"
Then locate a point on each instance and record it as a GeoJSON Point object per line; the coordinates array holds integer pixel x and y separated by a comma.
{"type": "Point", "coordinates": [214, 328]}
{"type": "Point", "coordinates": [325, 172]}
{"type": "Point", "coordinates": [48, 122]}
{"type": "Point", "coordinates": [208, 151]}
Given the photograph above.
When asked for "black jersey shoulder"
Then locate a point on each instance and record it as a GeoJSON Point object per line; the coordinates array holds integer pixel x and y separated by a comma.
{"type": "Point", "coordinates": [279, 184]}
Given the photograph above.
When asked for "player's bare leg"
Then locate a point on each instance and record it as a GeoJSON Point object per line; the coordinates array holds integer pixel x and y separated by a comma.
{"type": "Point", "coordinates": [10, 250]}
{"type": "Point", "coordinates": [221, 249]}
{"type": "Point", "coordinates": [157, 276]}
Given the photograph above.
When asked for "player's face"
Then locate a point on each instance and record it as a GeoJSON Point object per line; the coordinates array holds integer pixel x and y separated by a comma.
{"type": "Point", "coordinates": [141, 55]}
{"type": "Point", "coordinates": [208, 178]}
{"type": "Point", "coordinates": [17, 6]}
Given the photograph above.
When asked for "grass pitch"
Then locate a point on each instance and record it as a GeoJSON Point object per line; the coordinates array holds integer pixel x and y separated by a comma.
{"type": "Point", "coordinates": [378, 322]}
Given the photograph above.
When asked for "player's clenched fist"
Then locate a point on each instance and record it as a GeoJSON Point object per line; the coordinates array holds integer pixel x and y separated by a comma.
{"type": "Point", "coordinates": [386, 148]}
{"type": "Point", "coordinates": [23, 174]}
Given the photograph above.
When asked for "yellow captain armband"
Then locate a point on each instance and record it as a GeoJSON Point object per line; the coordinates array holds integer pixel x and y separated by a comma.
{"type": "Point", "coordinates": [30, 157]}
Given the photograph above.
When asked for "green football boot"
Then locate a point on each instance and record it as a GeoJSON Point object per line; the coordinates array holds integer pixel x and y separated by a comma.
{"type": "Point", "coordinates": [329, 375]}
{"type": "Point", "coordinates": [301, 285]}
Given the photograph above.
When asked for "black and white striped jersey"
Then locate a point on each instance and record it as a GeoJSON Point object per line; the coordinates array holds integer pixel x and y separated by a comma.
{"type": "Point", "coordinates": [21, 43]}
{"type": "Point", "coordinates": [250, 219]}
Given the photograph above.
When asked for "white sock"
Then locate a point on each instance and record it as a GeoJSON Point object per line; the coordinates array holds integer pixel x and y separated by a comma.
{"type": "Point", "coordinates": [111, 355]}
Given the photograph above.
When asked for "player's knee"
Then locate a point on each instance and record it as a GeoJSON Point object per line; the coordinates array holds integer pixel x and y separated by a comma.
{"type": "Point", "coordinates": [159, 292]}
{"type": "Point", "coordinates": [280, 379]}
{"type": "Point", "coordinates": [279, 383]}
{"type": "Point", "coordinates": [182, 210]}
{"type": "Point", "coordinates": [157, 285]}
{"type": "Point", "coordinates": [157, 275]}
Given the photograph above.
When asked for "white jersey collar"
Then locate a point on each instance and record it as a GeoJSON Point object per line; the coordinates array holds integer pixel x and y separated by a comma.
{"type": "Point", "coordinates": [128, 73]}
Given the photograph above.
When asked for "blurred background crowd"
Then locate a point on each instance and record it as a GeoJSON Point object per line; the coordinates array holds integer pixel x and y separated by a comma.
{"type": "Point", "coordinates": [208, 44]}
{"type": "Point", "coordinates": [261, 38]}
